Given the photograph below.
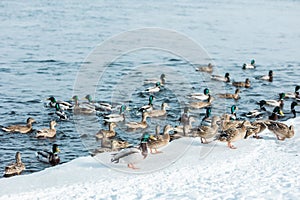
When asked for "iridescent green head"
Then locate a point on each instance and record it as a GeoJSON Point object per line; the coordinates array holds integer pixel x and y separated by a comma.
{"type": "Point", "coordinates": [89, 97]}
{"type": "Point", "coordinates": [208, 111]}
{"type": "Point", "coordinates": [52, 99]}
{"type": "Point", "coordinates": [157, 84]}
{"type": "Point", "coordinates": [252, 62]}
{"type": "Point", "coordinates": [206, 91]}
{"type": "Point", "coordinates": [233, 109]}
{"type": "Point", "coordinates": [151, 97]}
{"type": "Point", "coordinates": [281, 96]}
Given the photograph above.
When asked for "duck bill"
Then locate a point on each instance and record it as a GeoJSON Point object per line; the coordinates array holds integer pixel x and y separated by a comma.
{"type": "Point", "coordinates": [281, 113]}
{"type": "Point", "coordinates": [152, 137]}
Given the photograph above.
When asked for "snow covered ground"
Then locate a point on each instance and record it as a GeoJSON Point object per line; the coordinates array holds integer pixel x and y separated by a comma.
{"type": "Point", "coordinates": [257, 169]}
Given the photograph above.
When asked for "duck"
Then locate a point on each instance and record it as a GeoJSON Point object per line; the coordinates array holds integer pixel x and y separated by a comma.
{"type": "Point", "coordinates": [201, 104]}
{"type": "Point", "coordinates": [161, 140]}
{"type": "Point", "coordinates": [226, 123]}
{"type": "Point", "coordinates": [108, 145]}
{"type": "Point", "coordinates": [257, 113]}
{"type": "Point", "coordinates": [258, 127]}
{"type": "Point", "coordinates": [206, 120]}
{"type": "Point", "coordinates": [266, 77]}
{"type": "Point", "coordinates": [77, 109]}
{"type": "Point", "coordinates": [233, 134]}
{"type": "Point", "coordinates": [96, 105]}
{"type": "Point", "coordinates": [49, 157]}
{"type": "Point", "coordinates": [60, 112]}
{"type": "Point", "coordinates": [136, 125]}
{"type": "Point", "coordinates": [291, 114]}
{"type": "Point", "coordinates": [149, 106]}
{"type": "Point", "coordinates": [185, 129]}
{"type": "Point", "coordinates": [276, 113]}
{"type": "Point", "coordinates": [184, 118]}
{"type": "Point", "coordinates": [281, 130]}
{"type": "Point", "coordinates": [154, 89]}
{"type": "Point", "coordinates": [133, 155]}
{"type": "Point", "coordinates": [200, 96]}
{"type": "Point", "coordinates": [116, 117]}
{"type": "Point", "coordinates": [206, 132]}
{"type": "Point", "coordinates": [162, 80]}
{"type": "Point", "coordinates": [20, 128]}
{"type": "Point", "coordinates": [234, 96]}
{"type": "Point", "coordinates": [233, 110]}
{"type": "Point", "coordinates": [276, 103]}
{"type": "Point", "coordinates": [47, 132]}
{"type": "Point", "coordinates": [208, 68]}
{"type": "Point", "coordinates": [63, 104]}
{"type": "Point", "coordinates": [249, 66]}
{"type": "Point", "coordinates": [245, 84]}
{"type": "Point", "coordinates": [293, 94]}
{"type": "Point", "coordinates": [107, 133]}
{"type": "Point", "coordinates": [226, 78]}
{"type": "Point", "coordinates": [15, 168]}
{"type": "Point", "coordinates": [159, 113]}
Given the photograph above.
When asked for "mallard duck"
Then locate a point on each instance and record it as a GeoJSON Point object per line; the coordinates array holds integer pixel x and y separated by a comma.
{"type": "Point", "coordinates": [235, 96]}
{"type": "Point", "coordinates": [133, 155]}
{"type": "Point", "coordinates": [200, 96]}
{"type": "Point", "coordinates": [96, 105]}
{"type": "Point", "coordinates": [184, 118]}
{"type": "Point", "coordinates": [257, 113]}
{"type": "Point", "coordinates": [281, 130]}
{"type": "Point", "coordinates": [60, 113]}
{"type": "Point", "coordinates": [249, 66]}
{"type": "Point", "coordinates": [47, 132]}
{"type": "Point", "coordinates": [245, 84]}
{"type": "Point", "coordinates": [161, 140]}
{"type": "Point", "coordinates": [226, 78]}
{"type": "Point", "coordinates": [20, 128]}
{"type": "Point", "coordinates": [278, 102]}
{"type": "Point", "coordinates": [184, 129]}
{"type": "Point", "coordinates": [149, 106]}
{"type": "Point", "coordinates": [136, 125]}
{"type": "Point", "coordinates": [202, 104]}
{"type": "Point", "coordinates": [233, 134]}
{"type": "Point", "coordinates": [49, 157]}
{"type": "Point", "coordinates": [208, 68]}
{"type": "Point", "coordinates": [266, 77]}
{"type": "Point", "coordinates": [154, 89]}
{"type": "Point", "coordinates": [293, 111]}
{"type": "Point", "coordinates": [14, 168]}
{"type": "Point", "coordinates": [63, 104]}
{"type": "Point", "coordinates": [276, 112]}
{"type": "Point", "coordinates": [206, 132]}
{"type": "Point", "coordinates": [107, 133]}
{"type": "Point", "coordinates": [293, 94]}
{"type": "Point", "coordinates": [159, 113]}
{"type": "Point", "coordinates": [162, 80]}
{"type": "Point", "coordinates": [116, 117]}
{"type": "Point", "coordinates": [258, 127]}
{"type": "Point", "coordinates": [77, 109]}
{"type": "Point", "coordinates": [233, 110]}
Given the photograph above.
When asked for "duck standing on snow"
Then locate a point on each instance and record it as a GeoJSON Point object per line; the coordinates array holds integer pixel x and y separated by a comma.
{"type": "Point", "coordinates": [281, 130]}
{"type": "Point", "coordinates": [258, 127]}
{"type": "Point", "coordinates": [133, 155]}
{"type": "Point", "coordinates": [206, 132]}
{"type": "Point", "coordinates": [266, 77]}
{"type": "Point", "coordinates": [208, 68]}
{"type": "Point", "coordinates": [49, 157]}
{"type": "Point", "coordinates": [233, 134]}
{"type": "Point", "coordinates": [245, 84]}
{"type": "Point", "coordinates": [20, 128]}
{"type": "Point", "coordinates": [14, 168]}
{"type": "Point", "coordinates": [234, 96]}
{"type": "Point", "coordinates": [200, 96]}
{"type": "Point", "coordinates": [47, 132]}
{"type": "Point", "coordinates": [161, 140]}
{"type": "Point", "coordinates": [225, 78]}
{"type": "Point", "coordinates": [249, 66]}
{"type": "Point", "coordinates": [159, 113]}
{"type": "Point", "coordinates": [116, 117]}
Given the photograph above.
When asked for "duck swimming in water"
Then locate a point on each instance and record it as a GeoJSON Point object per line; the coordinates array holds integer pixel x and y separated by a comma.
{"type": "Point", "coordinates": [159, 113]}
{"type": "Point", "coordinates": [116, 117]}
{"type": "Point", "coordinates": [20, 128]}
{"type": "Point", "coordinates": [249, 66]}
{"type": "Point", "coordinates": [200, 96]}
{"type": "Point", "coordinates": [208, 68]}
{"type": "Point", "coordinates": [162, 80]}
{"type": "Point", "coordinates": [47, 132]}
{"type": "Point", "coordinates": [231, 96]}
{"type": "Point", "coordinates": [154, 89]}
{"type": "Point", "coordinates": [136, 125]}
{"type": "Point", "coordinates": [266, 77]}
{"type": "Point", "coordinates": [14, 168]}
{"type": "Point", "coordinates": [49, 157]}
{"type": "Point", "coordinates": [225, 78]}
{"type": "Point", "coordinates": [149, 106]}
{"type": "Point", "coordinates": [63, 104]}
{"type": "Point", "coordinates": [245, 84]}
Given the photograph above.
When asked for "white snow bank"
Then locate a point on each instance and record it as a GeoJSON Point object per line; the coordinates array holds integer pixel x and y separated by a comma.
{"type": "Point", "coordinates": [265, 168]}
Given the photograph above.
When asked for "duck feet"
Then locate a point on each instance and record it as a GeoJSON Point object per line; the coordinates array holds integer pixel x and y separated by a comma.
{"type": "Point", "coordinates": [231, 146]}
{"type": "Point", "coordinates": [132, 166]}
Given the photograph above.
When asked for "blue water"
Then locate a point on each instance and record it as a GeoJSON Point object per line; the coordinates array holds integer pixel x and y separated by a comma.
{"type": "Point", "coordinates": [43, 44]}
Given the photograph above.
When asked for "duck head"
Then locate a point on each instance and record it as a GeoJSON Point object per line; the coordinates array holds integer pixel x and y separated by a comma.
{"type": "Point", "coordinates": [281, 96]}
{"type": "Point", "coordinates": [252, 62]}
{"type": "Point", "coordinates": [297, 88]}
{"type": "Point", "coordinates": [55, 149]}
{"type": "Point", "coordinates": [206, 91]}
{"type": "Point", "coordinates": [52, 99]}
{"type": "Point", "coordinates": [88, 97]}
{"type": "Point", "coordinates": [30, 120]}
